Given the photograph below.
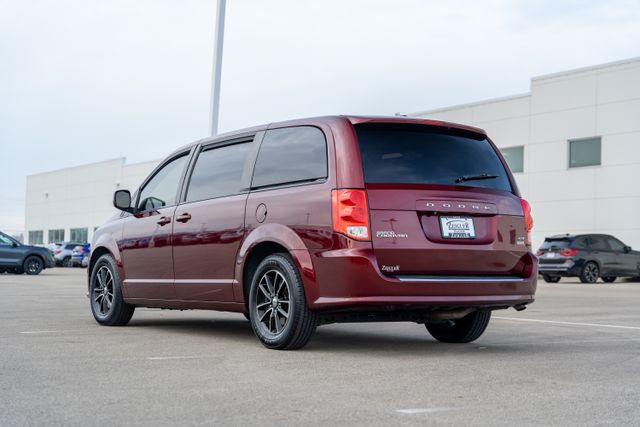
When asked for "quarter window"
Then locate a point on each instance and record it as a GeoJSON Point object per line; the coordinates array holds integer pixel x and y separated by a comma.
{"type": "Point", "coordinates": [514, 157]}
{"type": "Point", "coordinates": [162, 189]}
{"type": "Point", "coordinates": [291, 155]}
{"type": "Point", "coordinates": [585, 152]}
{"type": "Point", "coordinates": [218, 172]}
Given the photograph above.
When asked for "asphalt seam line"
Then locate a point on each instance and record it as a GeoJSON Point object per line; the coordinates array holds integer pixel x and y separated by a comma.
{"type": "Point", "coordinates": [558, 322]}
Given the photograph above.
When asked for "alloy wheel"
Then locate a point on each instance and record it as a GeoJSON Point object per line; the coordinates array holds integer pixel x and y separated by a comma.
{"type": "Point", "coordinates": [102, 297]}
{"type": "Point", "coordinates": [591, 272]}
{"type": "Point", "coordinates": [273, 302]}
{"type": "Point", "coordinates": [34, 266]}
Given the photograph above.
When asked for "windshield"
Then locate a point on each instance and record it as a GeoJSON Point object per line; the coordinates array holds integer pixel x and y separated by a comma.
{"type": "Point", "coordinates": [418, 154]}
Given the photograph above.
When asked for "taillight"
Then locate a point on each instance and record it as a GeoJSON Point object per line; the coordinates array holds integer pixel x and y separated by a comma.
{"type": "Point", "coordinates": [351, 214]}
{"type": "Point", "coordinates": [539, 253]}
{"type": "Point", "coordinates": [569, 252]}
{"type": "Point", "coordinates": [528, 219]}
{"type": "Point", "coordinates": [58, 251]}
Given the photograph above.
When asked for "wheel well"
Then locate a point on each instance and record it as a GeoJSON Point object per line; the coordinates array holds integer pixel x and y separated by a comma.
{"type": "Point", "coordinates": [255, 257]}
{"type": "Point", "coordinates": [97, 253]}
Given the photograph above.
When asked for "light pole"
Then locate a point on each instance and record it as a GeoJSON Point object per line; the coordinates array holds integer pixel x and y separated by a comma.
{"type": "Point", "coordinates": [217, 66]}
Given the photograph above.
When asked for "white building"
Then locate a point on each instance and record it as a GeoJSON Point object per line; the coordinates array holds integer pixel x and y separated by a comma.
{"type": "Point", "coordinates": [69, 204]}
{"type": "Point", "coordinates": [573, 142]}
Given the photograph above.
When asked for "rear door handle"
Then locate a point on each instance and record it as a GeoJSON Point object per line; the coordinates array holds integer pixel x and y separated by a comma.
{"type": "Point", "coordinates": [164, 220]}
{"type": "Point", "coordinates": [184, 217]}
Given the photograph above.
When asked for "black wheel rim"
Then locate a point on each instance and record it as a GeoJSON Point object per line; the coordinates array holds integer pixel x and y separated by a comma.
{"type": "Point", "coordinates": [33, 266]}
{"type": "Point", "coordinates": [102, 296]}
{"type": "Point", "coordinates": [272, 303]}
{"type": "Point", "coordinates": [591, 272]}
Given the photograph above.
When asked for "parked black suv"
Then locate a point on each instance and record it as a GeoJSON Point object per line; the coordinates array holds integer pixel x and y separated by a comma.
{"type": "Point", "coordinates": [587, 256]}
{"type": "Point", "coordinates": [18, 258]}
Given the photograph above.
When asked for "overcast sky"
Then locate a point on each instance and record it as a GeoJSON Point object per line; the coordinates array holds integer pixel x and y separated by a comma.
{"type": "Point", "coordinates": [90, 80]}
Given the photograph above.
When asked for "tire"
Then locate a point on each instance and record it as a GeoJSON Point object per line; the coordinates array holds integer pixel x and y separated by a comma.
{"type": "Point", "coordinates": [105, 282]}
{"type": "Point", "coordinates": [275, 285]}
{"type": "Point", "coordinates": [590, 272]}
{"type": "Point", "coordinates": [551, 279]}
{"type": "Point", "coordinates": [609, 279]}
{"type": "Point", "coordinates": [33, 265]}
{"type": "Point", "coordinates": [464, 330]}
{"type": "Point", "coordinates": [66, 262]}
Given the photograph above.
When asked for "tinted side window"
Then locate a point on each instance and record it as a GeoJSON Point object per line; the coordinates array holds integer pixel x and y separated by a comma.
{"type": "Point", "coordinates": [291, 155]}
{"type": "Point", "coordinates": [598, 243]}
{"type": "Point", "coordinates": [162, 189]}
{"type": "Point", "coordinates": [581, 243]}
{"type": "Point", "coordinates": [615, 244]}
{"type": "Point", "coordinates": [218, 172]}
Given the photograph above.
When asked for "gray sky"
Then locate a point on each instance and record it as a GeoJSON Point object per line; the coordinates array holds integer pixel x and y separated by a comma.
{"type": "Point", "coordinates": [84, 81]}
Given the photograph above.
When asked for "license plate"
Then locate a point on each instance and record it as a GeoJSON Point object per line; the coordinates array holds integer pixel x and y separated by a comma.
{"type": "Point", "coordinates": [457, 227]}
{"type": "Point", "coordinates": [550, 255]}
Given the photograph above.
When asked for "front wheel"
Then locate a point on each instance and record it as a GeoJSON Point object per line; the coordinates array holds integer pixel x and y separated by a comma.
{"type": "Point", "coordinates": [590, 273]}
{"type": "Point", "coordinates": [107, 304]}
{"type": "Point", "coordinates": [278, 309]}
{"type": "Point", "coordinates": [464, 330]}
{"type": "Point", "coordinates": [33, 265]}
{"type": "Point", "coordinates": [551, 279]}
{"type": "Point", "coordinates": [609, 279]}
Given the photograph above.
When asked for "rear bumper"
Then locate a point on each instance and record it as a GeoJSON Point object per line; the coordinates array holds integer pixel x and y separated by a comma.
{"type": "Point", "coordinates": [567, 268]}
{"type": "Point", "coordinates": [351, 279]}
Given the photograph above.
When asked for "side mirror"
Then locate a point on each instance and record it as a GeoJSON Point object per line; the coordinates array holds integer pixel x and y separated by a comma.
{"type": "Point", "coordinates": [122, 200]}
{"type": "Point", "coordinates": [14, 245]}
{"type": "Point", "coordinates": [627, 249]}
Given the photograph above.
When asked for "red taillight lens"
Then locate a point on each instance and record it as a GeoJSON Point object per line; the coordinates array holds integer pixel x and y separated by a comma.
{"type": "Point", "coordinates": [528, 219]}
{"type": "Point", "coordinates": [569, 252]}
{"type": "Point", "coordinates": [57, 251]}
{"type": "Point", "coordinates": [351, 213]}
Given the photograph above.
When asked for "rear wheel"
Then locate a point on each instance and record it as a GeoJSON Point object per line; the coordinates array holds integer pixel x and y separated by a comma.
{"type": "Point", "coordinates": [33, 265]}
{"type": "Point", "coordinates": [551, 279]}
{"type": "Point", "coordinates": [107, 304]}
{"type": "Point", "coordinates": [464, 330]}
{"type": "Point", "coordinates": [278, 308]}
{"type": "Point", "coordinates": [609, 279]}
{"type": "Point", "coordinates": [590, 273]}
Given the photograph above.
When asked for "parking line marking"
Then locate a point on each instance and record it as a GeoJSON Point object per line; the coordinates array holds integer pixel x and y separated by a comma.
{"type": "Point", "coordinates": [559, 322]}
{"type": "Point", "coordinates": [38, 332]}
{"type": "Point", "coordinates": [426, 410]}
{"type": "Point", "coordinates": [173, 357]}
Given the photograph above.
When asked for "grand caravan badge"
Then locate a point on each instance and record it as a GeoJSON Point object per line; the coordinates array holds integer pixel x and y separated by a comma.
{"type": "Point", "coordinates": [390, 235]}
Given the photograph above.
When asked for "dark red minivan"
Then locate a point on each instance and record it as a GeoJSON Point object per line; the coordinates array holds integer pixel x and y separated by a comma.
{"type": "Point", "coordinates": [323, 220]}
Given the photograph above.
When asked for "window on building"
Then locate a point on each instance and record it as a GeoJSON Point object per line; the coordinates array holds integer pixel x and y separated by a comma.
{"type": "Point", "coordinates": [291, 155]}
{"type": "Point", "coordinates": [514, 157]}
{"type": "Point", "coordinates": [56, 235]}
{"type": "Point", "coordinates": [584, 152]}
{"type": "Point", "coordinates": [218, 172]}
{"type": "Point", "coordinates": [35, 237]}
{"type": "Point", "coordinates": [79, 234]}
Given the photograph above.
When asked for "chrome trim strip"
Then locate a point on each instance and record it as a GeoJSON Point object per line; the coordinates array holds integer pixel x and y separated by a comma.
{"type": "Point", "coordinates": [465, 279]}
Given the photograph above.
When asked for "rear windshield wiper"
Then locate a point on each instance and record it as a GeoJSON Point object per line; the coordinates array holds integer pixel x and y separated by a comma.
{"type": "Point", "coordinates": [464, 178]}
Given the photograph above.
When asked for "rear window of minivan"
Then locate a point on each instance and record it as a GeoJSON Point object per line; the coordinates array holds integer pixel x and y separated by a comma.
{"type": "Point", "coordinates": [419, 154]}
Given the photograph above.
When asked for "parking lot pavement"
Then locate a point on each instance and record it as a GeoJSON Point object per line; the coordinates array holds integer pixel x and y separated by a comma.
{"type": "Point", "coordinates": [572, 358]}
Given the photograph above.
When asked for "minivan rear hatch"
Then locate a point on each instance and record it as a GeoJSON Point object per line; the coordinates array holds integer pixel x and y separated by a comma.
{"type": "Point", "coordinates": [441, 202]}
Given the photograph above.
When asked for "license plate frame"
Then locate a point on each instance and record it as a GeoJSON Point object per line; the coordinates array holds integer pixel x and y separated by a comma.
{"type": "Point", "coordinates": [457, 227]}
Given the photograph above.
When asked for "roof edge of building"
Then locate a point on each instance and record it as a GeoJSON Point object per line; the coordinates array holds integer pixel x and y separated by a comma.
{"type": "Point", "coordinates": [472, 104]}
{"type": "Point", "coordinates": [122, 159]}
{"type": "Point", "coordinates": [587, 69]}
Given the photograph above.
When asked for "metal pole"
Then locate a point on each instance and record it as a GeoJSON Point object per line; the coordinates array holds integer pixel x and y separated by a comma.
{"type": "Point", "coordinates": [217, 66]}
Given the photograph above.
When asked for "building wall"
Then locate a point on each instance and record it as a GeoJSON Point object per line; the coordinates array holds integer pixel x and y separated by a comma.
{"type": "Point", "coordinates": [78, 197]}
{"type": "Point", "coordinates": [596, 101]}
